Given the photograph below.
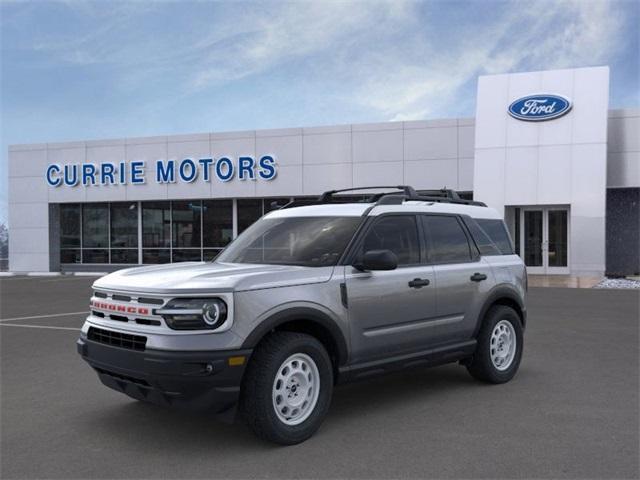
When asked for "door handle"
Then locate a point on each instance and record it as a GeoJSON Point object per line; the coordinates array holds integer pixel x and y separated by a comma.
{"type": "Point", "coordinates": [478, 277]}
{"type": "Point", "coordinates": [419, 282]}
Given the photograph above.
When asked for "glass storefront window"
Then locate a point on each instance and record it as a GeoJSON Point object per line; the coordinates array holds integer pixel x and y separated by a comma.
{"type": "Point", "coordinates": [68, 255]}
{"type": "Point", "coordinates": [156, 255]}
{"type": "Point", "coordinates": [186, 224]}
{"type": "Point", "coordinates": [95, 225]}
{"type": "Point", "coordinates": [125, 255]}
{"type": "Point", "coordinates": [156, 224]}
{"type": "Point", "coordinates": [95, 255]}
{"type": "Point", "coordinates": [209, 254]}
{"type": "Point", "coordinates": [249, 210]}
{"type": "Point", "coordinates": [186, 255]}
{"type": "Point", "coordinates": [69, 226]}
{"type": "Point", "coordinates": [217, 223]}
{"type": "Point", "coordinates": [172, 231]}
{"type": "Point", "coordinates": [124, 225]}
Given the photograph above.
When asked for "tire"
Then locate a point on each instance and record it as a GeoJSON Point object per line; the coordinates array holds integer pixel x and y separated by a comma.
{"type": "Point", "coordinates": [275, 386]}
{"type": "Point", "coordinates": [494, 361]}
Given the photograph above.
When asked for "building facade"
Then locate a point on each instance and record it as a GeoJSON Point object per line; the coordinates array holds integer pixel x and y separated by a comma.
{"type": "Point", "coordinates": [544, 149]}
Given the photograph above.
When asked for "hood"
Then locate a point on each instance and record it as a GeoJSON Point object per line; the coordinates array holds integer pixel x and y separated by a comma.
{"type": "Point", "coordinates": [203, 277]}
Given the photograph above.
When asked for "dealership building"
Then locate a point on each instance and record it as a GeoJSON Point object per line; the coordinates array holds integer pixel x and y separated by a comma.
{"type": "Point", "coordinates": [544, 149]}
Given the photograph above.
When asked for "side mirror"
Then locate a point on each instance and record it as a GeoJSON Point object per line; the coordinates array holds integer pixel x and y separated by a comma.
{"type": "Point", "coordinates": [377, 260]}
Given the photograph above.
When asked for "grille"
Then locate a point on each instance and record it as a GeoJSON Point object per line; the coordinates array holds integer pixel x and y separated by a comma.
{"type": "Point", "coordinates": [121, 298]}
{"type": "Point", "coordinates": [117, 339]}
{"type": "Point", "coordinates": [152, 301]}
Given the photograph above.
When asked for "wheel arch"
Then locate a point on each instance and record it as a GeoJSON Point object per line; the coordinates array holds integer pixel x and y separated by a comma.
{"type": "Point", "coordinates": [304, 320]}
{"type": "Point", "coordinates": [507, 296]}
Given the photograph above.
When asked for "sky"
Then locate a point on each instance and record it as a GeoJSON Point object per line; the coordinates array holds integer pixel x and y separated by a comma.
{"type": "Point", "coordinates": [74, 70]}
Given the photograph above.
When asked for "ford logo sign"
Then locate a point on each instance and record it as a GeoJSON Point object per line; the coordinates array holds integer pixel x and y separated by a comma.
{"type": "Point", "coordinates": [536, 108]}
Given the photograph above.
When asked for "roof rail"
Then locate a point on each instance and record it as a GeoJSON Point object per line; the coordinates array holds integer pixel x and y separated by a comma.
{"type": "Point", "coordinates": [328, 195]}
{"type": "Point", "coordinates": [400, 194]}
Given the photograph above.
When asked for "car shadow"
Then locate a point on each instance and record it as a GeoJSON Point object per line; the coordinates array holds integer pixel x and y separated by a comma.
{"type": "Point", "coordinates": [187, 432]}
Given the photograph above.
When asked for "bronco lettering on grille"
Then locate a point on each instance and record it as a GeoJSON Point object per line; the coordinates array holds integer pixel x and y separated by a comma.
{"type": "Point", "coordinates": [110, 307]}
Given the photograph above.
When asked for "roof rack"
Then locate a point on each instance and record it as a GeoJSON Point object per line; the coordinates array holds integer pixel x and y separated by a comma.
{"type": "Point", "coordinates": [400, 194]}
{"type": "Point", "coordinates": [327, 196]}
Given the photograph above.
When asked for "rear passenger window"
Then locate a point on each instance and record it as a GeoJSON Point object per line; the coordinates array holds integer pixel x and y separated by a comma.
{"type": "Point", "coordinates": [396, 233]}
{"type": "Point", "coordinates": [446, 240]}
{"type": "Point", "coordinates": [497, 232]}
{"type": "Point", "coordinates": [484, 243]}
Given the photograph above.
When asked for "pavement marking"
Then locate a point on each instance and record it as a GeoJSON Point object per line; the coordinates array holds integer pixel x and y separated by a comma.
{"type": "Point", "coordinates": [38, 326]}
{"type": "Point", "coordinates": [42, 316]}
{"type": "Point", "coordinates": [64, 279]}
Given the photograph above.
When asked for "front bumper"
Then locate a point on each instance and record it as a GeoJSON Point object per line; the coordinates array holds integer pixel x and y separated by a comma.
{"type": "Point", "coordinates": [197, 380]}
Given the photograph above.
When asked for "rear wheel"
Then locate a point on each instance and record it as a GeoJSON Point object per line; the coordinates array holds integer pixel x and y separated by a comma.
{"type": "Point", "coordinates": [287, 388]}
{"type": "Point", "coordinates": [499, 348]}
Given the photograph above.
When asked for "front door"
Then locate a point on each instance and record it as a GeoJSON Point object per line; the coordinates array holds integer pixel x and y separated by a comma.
{"type": "Point", "coordinates": [390, 312]}
{"type": "Point", "coordinates": [544, 241]}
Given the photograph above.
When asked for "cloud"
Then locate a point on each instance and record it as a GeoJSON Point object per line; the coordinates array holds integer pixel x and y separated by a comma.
{"type": "Point", "coordinates": [391, 57]}
{"type": "Point", "coordinates": [532, 36]}
{"type": "Point", "coordinates": [296, 30]}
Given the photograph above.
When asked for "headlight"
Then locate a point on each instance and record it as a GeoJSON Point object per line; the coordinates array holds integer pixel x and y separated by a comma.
{"type": "Point", "coordinates": [194, 313]}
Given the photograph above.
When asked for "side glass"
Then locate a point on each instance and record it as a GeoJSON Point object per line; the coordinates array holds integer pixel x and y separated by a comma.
{"type": "Point", "coordinates": [533, 238]}
{"type": "Point", "coordinates": [396, 233]}
{"type": "Point", "coordinates": [558, 238]}
{"type": "Point", "coordinates": [446, 240]}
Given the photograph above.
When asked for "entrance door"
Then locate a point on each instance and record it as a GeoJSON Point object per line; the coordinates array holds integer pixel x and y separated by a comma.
{"type": "Point", "coordinates": [544, 242]}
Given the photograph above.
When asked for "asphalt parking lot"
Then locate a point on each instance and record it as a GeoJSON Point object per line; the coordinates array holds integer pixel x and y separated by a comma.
{"type": "Point", "coordinates": [571, 412]}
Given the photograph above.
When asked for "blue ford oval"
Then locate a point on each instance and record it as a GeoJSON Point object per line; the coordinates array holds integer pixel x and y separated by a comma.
{"type": "Point", "coordinates": [536, 108]}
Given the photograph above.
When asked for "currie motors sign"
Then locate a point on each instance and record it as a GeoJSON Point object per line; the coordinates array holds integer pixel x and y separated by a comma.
{"type": "Point", "coordinates": [537, 108]}
{"type": "Point", "coordinates": [188, 170]}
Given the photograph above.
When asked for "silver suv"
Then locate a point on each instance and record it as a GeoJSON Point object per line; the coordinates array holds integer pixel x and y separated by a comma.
{"type": "Point", "coordinates": [311, 296]}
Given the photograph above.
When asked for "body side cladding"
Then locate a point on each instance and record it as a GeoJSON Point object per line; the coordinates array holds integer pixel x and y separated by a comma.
{"type": "Point", "coordinates": [298, 318]}
{"type": "Point", "coordinates": [432, 357]}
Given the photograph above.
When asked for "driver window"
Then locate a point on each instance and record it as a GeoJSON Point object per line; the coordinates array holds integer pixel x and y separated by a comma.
{"type": "Point", "coordinates": [397, 233]}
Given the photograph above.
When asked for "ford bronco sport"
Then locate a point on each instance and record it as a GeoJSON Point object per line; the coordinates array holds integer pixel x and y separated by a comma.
{"type": "Point", "coordinates": [311, 296]}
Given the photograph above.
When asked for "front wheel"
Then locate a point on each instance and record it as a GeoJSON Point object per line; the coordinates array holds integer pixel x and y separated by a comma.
{"type": "Point", "coordinates": [499, 348]}
{"type": "Point", "coordinates": [287, 388]}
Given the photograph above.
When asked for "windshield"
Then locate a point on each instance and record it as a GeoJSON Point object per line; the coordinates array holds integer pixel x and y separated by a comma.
{"type": "Point", "coordinates": [305, 241]}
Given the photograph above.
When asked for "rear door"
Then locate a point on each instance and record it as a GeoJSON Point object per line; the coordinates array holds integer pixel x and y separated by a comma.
{"type": "Point", "coordinates": [389, 311]}
{"type": "Point", "coordinates": [462, 278]}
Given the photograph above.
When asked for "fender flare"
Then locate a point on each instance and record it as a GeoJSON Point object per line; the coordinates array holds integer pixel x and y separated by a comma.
{"type": "Point", "coordinates": [499, 292]}
{"type": "Point", "coordinates": [300, 313]}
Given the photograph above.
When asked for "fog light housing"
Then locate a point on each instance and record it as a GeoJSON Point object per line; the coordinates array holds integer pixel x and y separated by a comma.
{"type": "Point", "coordinates": [194, 313]}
